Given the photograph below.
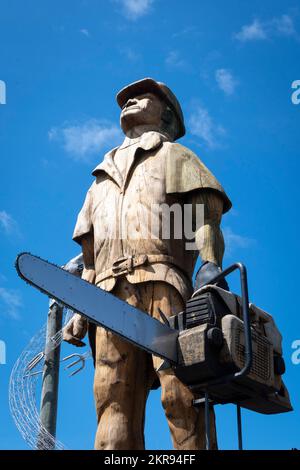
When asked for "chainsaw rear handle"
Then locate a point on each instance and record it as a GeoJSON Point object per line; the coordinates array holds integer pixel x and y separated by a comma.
{"type": "Point", "coordinates": [246, 319]}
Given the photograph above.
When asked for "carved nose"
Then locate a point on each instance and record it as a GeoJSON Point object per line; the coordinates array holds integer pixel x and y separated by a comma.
{"type": "Point", "coordinates": [130, 102]}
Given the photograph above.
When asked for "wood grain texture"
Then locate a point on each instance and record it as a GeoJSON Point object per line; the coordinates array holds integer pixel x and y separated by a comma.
{"type": "Point", "coordinates": [116, 221]}
{"type": "Point", "coordinates": [124, 375]}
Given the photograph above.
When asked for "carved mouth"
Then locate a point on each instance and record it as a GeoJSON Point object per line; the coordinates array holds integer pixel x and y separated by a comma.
{"type": "Point", "coordinates": [128, 108]}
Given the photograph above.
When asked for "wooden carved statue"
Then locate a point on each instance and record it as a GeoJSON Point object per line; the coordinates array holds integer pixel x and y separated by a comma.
{"type": "Point", "coordinates": [150, 271]}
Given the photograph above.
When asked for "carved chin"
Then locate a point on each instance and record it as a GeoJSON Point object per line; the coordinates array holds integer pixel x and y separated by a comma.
{"type": "Point", "coordinates": [132, 117]}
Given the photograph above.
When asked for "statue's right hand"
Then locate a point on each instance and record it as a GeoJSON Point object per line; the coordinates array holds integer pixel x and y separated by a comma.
{"type": "Point", "coordinates": [75, 330]}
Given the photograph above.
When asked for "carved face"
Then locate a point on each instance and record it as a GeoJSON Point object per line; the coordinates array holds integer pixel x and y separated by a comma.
{"type": "Point", "coordinates": [141, 110]}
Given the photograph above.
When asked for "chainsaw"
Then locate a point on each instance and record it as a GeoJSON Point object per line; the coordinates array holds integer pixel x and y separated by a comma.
{"type": "Point", "coordinates": [220, 345]}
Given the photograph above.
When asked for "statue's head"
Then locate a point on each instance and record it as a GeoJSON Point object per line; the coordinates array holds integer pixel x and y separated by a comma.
{"type": "Point", "coordinates": [150, 103]}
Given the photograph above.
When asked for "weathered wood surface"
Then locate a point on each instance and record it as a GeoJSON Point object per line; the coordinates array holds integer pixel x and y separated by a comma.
{"type": "Point", "coordinates": [49, 395]}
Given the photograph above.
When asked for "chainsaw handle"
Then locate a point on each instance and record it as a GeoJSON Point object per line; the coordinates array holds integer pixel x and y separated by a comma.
{"type": "Point", "coordinates": [246, 319]}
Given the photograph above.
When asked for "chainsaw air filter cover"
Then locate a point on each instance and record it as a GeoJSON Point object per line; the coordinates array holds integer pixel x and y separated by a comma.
{"type": "Point", "coordinates": [205, 308]}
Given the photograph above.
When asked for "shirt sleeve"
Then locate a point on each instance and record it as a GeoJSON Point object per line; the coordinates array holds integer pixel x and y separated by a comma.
{"type": "Point", "coordinates": [185, 172]}
{"type": "Point", "coordinates": [209, 237]}
{"type": "Point", "coordinates": [212, 202]}
{"type": "Point", "coordinates": [84, 223]}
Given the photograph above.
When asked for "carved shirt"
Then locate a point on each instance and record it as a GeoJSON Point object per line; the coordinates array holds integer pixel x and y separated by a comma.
{"type": "Point", "coordinates": [123, 210]}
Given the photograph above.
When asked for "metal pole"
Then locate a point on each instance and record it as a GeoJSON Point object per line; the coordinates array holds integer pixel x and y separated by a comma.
{"type": "Point", "coordinates": [49, 395]}
{"type": "Point", "coordinates": [239, 423]}
{"type": "Point", "coordinates": [207, 421]}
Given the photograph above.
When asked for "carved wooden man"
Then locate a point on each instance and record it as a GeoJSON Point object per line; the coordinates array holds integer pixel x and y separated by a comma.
{"type": "Point", "coordinates": [149, 272]}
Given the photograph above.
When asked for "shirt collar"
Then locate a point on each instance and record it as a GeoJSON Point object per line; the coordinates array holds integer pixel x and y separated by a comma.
{"type": "Point", "coordinates": [149, 141]}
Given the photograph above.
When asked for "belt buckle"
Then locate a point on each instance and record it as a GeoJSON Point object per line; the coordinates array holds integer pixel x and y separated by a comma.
{"type": "Point", "coordinates": [123, 265]}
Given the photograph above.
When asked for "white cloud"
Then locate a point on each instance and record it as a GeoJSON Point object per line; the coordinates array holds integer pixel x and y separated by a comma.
{"type": "Point", "coordinates": [226, 81]}
{"type": "Point", "coordinates": [262, 30]}
{"type": "Point", "coordinates": [252, 32]}
{"type": "Point", "coordinates": [173, 59]}
{"type": "Point", "coordinates": [284, 25]}
{"type": "Point", "coordinates": [202, 125]}
{"type": "Point", "coordinates": [234, 241]}
{"type": "Point", "coordinates": [11, 300]}
{"type": "Point", "coordinates": [82, 141]}
{"type": "Point", "coordinates": [7, 223]}
{"type": "Point", "coordinates": [85, 32]}
{"type": "Point", "coordinates": [134, 9]}
{"type": "Point", "coordinates": [130, 54]}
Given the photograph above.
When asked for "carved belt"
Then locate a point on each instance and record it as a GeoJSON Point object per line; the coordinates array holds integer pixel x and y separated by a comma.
{"type": "Point", "coordinates": [127, 264]}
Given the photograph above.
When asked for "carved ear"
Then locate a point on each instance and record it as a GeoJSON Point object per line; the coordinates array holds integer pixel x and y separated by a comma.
{"type": "Point", "coordinates": [167, 115]}
{"type": "Point", "coordinates": [169, 121]}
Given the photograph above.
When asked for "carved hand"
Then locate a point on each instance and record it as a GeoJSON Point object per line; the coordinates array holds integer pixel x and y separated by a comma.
{"type": "Point", "coordinates": [75, 330]}
{"type": "Point", "coordinates": [206, 272]}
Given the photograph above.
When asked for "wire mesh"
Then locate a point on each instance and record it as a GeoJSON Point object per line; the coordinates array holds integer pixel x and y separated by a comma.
{"type": "Point", "coordinates": [24, 385]}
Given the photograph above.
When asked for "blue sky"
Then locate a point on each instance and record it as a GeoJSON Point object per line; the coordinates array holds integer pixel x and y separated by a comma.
{"type": "Point", "coordinates": [231, 66]}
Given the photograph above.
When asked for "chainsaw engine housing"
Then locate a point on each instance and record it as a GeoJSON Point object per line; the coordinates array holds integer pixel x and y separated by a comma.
{"type": "Point", "coordinates": [211, 345]}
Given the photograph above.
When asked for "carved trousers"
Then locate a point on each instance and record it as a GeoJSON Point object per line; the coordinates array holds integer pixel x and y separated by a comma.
{"type": "Point", "coordinates": [124, 375]}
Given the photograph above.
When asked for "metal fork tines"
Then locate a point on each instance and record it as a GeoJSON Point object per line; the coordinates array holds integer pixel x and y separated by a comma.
{"type": "Point", "coordinates": [81, 359]}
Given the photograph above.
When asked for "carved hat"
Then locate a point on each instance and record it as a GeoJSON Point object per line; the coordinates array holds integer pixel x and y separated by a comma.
{"type": "Point", "coordinates": [148, 85]}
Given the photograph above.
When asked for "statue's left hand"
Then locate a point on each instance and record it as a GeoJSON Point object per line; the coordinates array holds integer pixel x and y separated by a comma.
{"type": "Point", "coordinates": [208, 271]}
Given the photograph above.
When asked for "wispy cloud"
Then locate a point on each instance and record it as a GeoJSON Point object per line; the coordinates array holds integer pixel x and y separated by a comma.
{"type": "Point", "coordinates": [188, 30]}
{"type": "Point", "coordinates": [226, 81]}
{"type": "Point", "coordinates": [134, 9]}
{"type": "Point", "coordinates": [262, 30]}
{"type": "Point", "coordinates": [202, 125]}
{"type": "Point", "coordinates": [85, 32]}
{"type": "Point", "coordinates": [284, 25]}
{"type": "Point", "coordinates": [234, 241]}
{"type": "Point", "coordinates": [130, 54]}
{"type": "Point", "coordinates": [11, 302]}
{"type": "Point", "coordinates": [82, 141]}
{"type": "Point", "coordinates": [174, 59]}
{"type": "Point", "coordinates": [8, 223]}
{"type": "Point", "coordinates": [252, 32]}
